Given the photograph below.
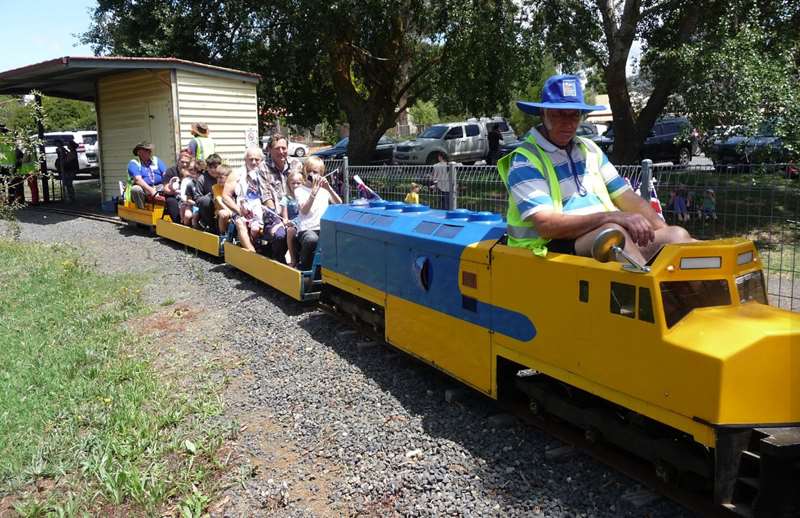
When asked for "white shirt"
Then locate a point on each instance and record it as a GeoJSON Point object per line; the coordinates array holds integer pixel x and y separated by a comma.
{"type": "Point", "coordinates": [441, 176]}
{"type": "Point", "coordinates": [311, 220]}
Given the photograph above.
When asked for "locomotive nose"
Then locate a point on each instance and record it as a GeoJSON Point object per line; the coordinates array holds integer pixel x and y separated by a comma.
{"type": "Point", "coordinates": [757, 352]}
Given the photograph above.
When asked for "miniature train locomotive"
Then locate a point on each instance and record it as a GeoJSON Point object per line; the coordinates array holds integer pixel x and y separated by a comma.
{"type": "Point", "coordinates": [682, 363]}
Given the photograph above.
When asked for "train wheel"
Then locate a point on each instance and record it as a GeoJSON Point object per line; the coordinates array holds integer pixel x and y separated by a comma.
{"type": "Point", "coordinates": [592, 435]}
{"type": "Point", "coordinates": [534, 407]}
{"type": "Point", "coordinates": [665, 471]}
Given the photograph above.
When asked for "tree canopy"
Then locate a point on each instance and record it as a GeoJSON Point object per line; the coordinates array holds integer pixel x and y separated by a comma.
{"type": "Point", "coordinates": [720, 62]}
{"type": "Point", "coordinates": [369, 59]}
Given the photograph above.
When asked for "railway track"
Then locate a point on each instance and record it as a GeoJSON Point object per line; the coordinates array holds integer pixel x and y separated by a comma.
{"type": "Point", "coordinates": [609, 455]}
{"type": "Point", "coordinates": [96, 216]}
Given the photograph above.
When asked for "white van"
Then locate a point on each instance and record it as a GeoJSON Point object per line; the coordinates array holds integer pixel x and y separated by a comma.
{"type": "Point", "coordinates": [463, 142]}
{"type": "Point", "coordinates": [87, 149]}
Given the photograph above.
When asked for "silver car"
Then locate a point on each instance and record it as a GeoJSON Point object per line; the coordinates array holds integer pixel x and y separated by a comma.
{"type": "Point", "coordinates": [87, 149]}
{"type": "Point", "coordinates": [463, 142]}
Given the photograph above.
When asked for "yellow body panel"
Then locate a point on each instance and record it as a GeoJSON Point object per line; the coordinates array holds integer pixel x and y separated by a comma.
{"type": "Point", "coordinates": [728, 365]}
{"type": "Point", "coordinates": [458, 347]}
{"type": "Point", "coordinates": [280, 276]}
{"type": "Point", "coordinates": [149, 217]}
{"type": "Point", "coordinates": [359, 289]}
{"type": "Point", "coordinates": [203, 241]}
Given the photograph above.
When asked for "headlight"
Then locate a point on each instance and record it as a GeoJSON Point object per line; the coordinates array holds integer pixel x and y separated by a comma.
{"type": "Point", "coordinates": [751, 287]}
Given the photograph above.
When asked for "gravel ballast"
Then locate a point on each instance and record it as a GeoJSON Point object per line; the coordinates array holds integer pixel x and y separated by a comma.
{"type": "Point", "coordinates": [334, 425]}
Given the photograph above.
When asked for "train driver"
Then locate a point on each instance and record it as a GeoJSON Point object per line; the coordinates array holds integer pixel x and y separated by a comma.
{"type": "Point", "coordinates": [563, 191]}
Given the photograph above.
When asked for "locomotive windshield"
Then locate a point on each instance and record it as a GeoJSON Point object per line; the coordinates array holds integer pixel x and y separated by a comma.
{"type": "Point", "coordinates": [681, 297]}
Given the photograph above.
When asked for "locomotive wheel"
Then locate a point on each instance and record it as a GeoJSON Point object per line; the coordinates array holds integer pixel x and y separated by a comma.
{"type": "Point", "coordinates": [665, 472]}
{"type": "Point", "coordinates": [534, 407]}
{"type": "Point", "coordinates": [592, 435]}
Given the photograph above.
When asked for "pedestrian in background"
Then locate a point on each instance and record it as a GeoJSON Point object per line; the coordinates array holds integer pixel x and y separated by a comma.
{"type": "Point", "coordinates": [494, 138]}
{"type": "Point", "coordinates": [201, 146]}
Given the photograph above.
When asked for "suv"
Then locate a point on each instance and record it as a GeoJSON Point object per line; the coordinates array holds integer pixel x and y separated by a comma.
{"type": "Point", "coordinates": [671, 140]}
{"type": "Point", "coordinates": [87, 149]}
{"type": "Point", "coordinates": [460, 142]}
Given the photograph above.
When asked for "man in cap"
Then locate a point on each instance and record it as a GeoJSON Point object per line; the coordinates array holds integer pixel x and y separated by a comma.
{"type": "Point", "coordinates": [563, 191]}
{"type": "Point", "coordinates": [146, 173]}
{"type": "Point", "coordinates": [201, 146]}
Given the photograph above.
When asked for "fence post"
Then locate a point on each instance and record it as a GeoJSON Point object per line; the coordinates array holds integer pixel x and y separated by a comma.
{"type": "Point", "coordinates": [346, 179]}
{"type": "Point", "coordinates": [451, 177]}
{"type": "Point", "coordinates": [647, 179]}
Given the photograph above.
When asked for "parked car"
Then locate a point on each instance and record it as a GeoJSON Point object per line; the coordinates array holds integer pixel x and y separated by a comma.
{"type": "Point", "coordinates": [87, 149]}
{"type": "Point", "coordinates": [672, 139]}
{"type": "Point", "coordinates": [383, 153]}
{"type": "Point", "coordinates": [734, 146]}
{"type": "Point", "coordinates": [297, 149]}
{"type": "Point", "coordinates": [460, 142]}
{"type": "Point", "coordinates": [505, 129]}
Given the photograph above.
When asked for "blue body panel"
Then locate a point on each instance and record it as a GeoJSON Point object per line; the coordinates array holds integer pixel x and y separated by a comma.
{"type": "Point", "coordinates": [385, 247]}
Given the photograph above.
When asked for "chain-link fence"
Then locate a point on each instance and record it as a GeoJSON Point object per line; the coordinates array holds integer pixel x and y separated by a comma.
{"type": "Point", "coordinates": [759, 202]}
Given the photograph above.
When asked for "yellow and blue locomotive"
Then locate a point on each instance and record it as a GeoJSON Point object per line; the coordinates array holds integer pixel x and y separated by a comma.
{"type": "Point", "coordinates": [680, 361]}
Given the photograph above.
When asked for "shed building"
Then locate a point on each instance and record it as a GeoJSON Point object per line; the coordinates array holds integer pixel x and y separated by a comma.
{"type": "Point", "coordinates": [155, 99]}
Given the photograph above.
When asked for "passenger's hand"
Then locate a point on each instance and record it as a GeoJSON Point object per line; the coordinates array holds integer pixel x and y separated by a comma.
{"type": "Point", "coordinates": [315, 185]}
{"type": "Point", "coordinates": [323, 183]}
{"type": "Point", "coordinates": [640, 230]}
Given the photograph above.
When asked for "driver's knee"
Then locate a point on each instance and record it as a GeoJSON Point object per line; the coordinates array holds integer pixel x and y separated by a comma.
{"type": "Point", "coordinates": [675, 234]}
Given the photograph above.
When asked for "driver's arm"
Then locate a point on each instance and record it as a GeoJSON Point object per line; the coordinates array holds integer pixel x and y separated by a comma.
{"type": "Point", "coordinates": [629, 201]}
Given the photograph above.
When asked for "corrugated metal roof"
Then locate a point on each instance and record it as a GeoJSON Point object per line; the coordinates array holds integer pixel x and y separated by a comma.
{"type": "Point", "coordinates": [75, 77]}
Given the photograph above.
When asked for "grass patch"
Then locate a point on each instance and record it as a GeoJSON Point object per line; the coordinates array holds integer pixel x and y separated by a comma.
{"type": "Point", "coordinates": [86, 424]}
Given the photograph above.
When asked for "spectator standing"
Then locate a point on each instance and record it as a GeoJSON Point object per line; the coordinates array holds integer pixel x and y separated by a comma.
{"type": "Point", "coordinates": [494, 138]}
{"type": "Point", "coordinates": [201, 146]}
{"type": "Point", "coordinates": [70, 169]}
{"type": "Point", "coordinates": [145, 173]}
{"type": "Point", "coordinates": [440, 177]}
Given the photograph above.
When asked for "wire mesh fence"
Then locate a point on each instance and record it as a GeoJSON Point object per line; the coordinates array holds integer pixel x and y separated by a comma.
{"type": "Point", "coordinates": [759, 202]}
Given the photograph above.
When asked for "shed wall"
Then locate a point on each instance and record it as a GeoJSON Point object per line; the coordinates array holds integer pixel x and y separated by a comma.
{"type": "Point", "coordinates": [133, 106]}
{"type": "Point", "coordinates": [228, 106]}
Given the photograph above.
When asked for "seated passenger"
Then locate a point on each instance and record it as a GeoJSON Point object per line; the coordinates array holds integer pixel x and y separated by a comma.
{"type": "Point", "coordinates": [313, 197]}
{"type": "Point", "coordinates": [204, 196]}
{"type": "Point", "coordinates": [243, 195]}
{"type": "Point", "coordinates": [289, 212]}
{"type": "Point", "coordinates": [587, 196]}
{"type": "Point", "coordinates": [172, 189]}
{"type": "Point", "coordinates": [145, 174]}
{"type": "Point", "coordinates": [187, 193]}
{"type": "Point", "coordinates": [222, 212]}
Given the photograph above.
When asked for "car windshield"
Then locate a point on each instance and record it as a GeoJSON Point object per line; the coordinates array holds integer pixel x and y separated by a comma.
{"type": "Point", "coordinates": [434, 132]}
{"type": "Point", "coordinates": [90, 139]}
{"type": "Point", "coordinates": [343, 142]}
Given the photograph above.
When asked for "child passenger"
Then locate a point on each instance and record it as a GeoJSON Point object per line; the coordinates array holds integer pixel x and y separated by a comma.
{"type": "Point", "coordinates": [223, 213]}
{"type": "Point", "coordinates": [313, 197]}
{"type": "Point", "coordinates": [289, 212]}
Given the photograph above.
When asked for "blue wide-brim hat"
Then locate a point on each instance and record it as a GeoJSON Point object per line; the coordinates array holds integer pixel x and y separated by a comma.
{"type": "Point", "coordinates": [560, 93]}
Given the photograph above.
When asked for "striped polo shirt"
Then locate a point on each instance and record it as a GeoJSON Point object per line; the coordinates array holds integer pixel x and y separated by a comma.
{"type": "Point", "coordinates": [531, 191]}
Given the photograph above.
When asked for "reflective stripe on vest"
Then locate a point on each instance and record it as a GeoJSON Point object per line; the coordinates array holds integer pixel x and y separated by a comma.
{"type": "Point", "coordinates": [205, 147]}
{"type": "Point", "coordinates": [521, 233]}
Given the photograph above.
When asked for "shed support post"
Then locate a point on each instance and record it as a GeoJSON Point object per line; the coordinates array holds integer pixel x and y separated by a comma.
{"type": "Point", "coordinates": [42, 157]}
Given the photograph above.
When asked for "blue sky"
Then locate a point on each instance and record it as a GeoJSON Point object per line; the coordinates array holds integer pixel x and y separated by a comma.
{"type": "Point", "coordinates": [38, 30]}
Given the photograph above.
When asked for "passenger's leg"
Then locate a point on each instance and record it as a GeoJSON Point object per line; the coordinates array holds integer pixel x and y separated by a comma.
{"type": "Point", "coordinates": [583, 245]}
{"type": "Point", "coordinates": [223, 218]}
{"type": "Point", "coordinates": [308, 245]}
{"type": "Point", "coordinates": [68, 180]}
{"type": "Point", "coordinates": [138, 197]}
{"type": "Point", "coordinates": [206, 206]}
{"type": "Point", "coordinates": [244, 235]}
{"type": "Point", "coordinates": [172, 208]}
{"type": "Point", "coordinates": [291, 233]}
{"type": "Point", "coordinates": [278, 244]}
